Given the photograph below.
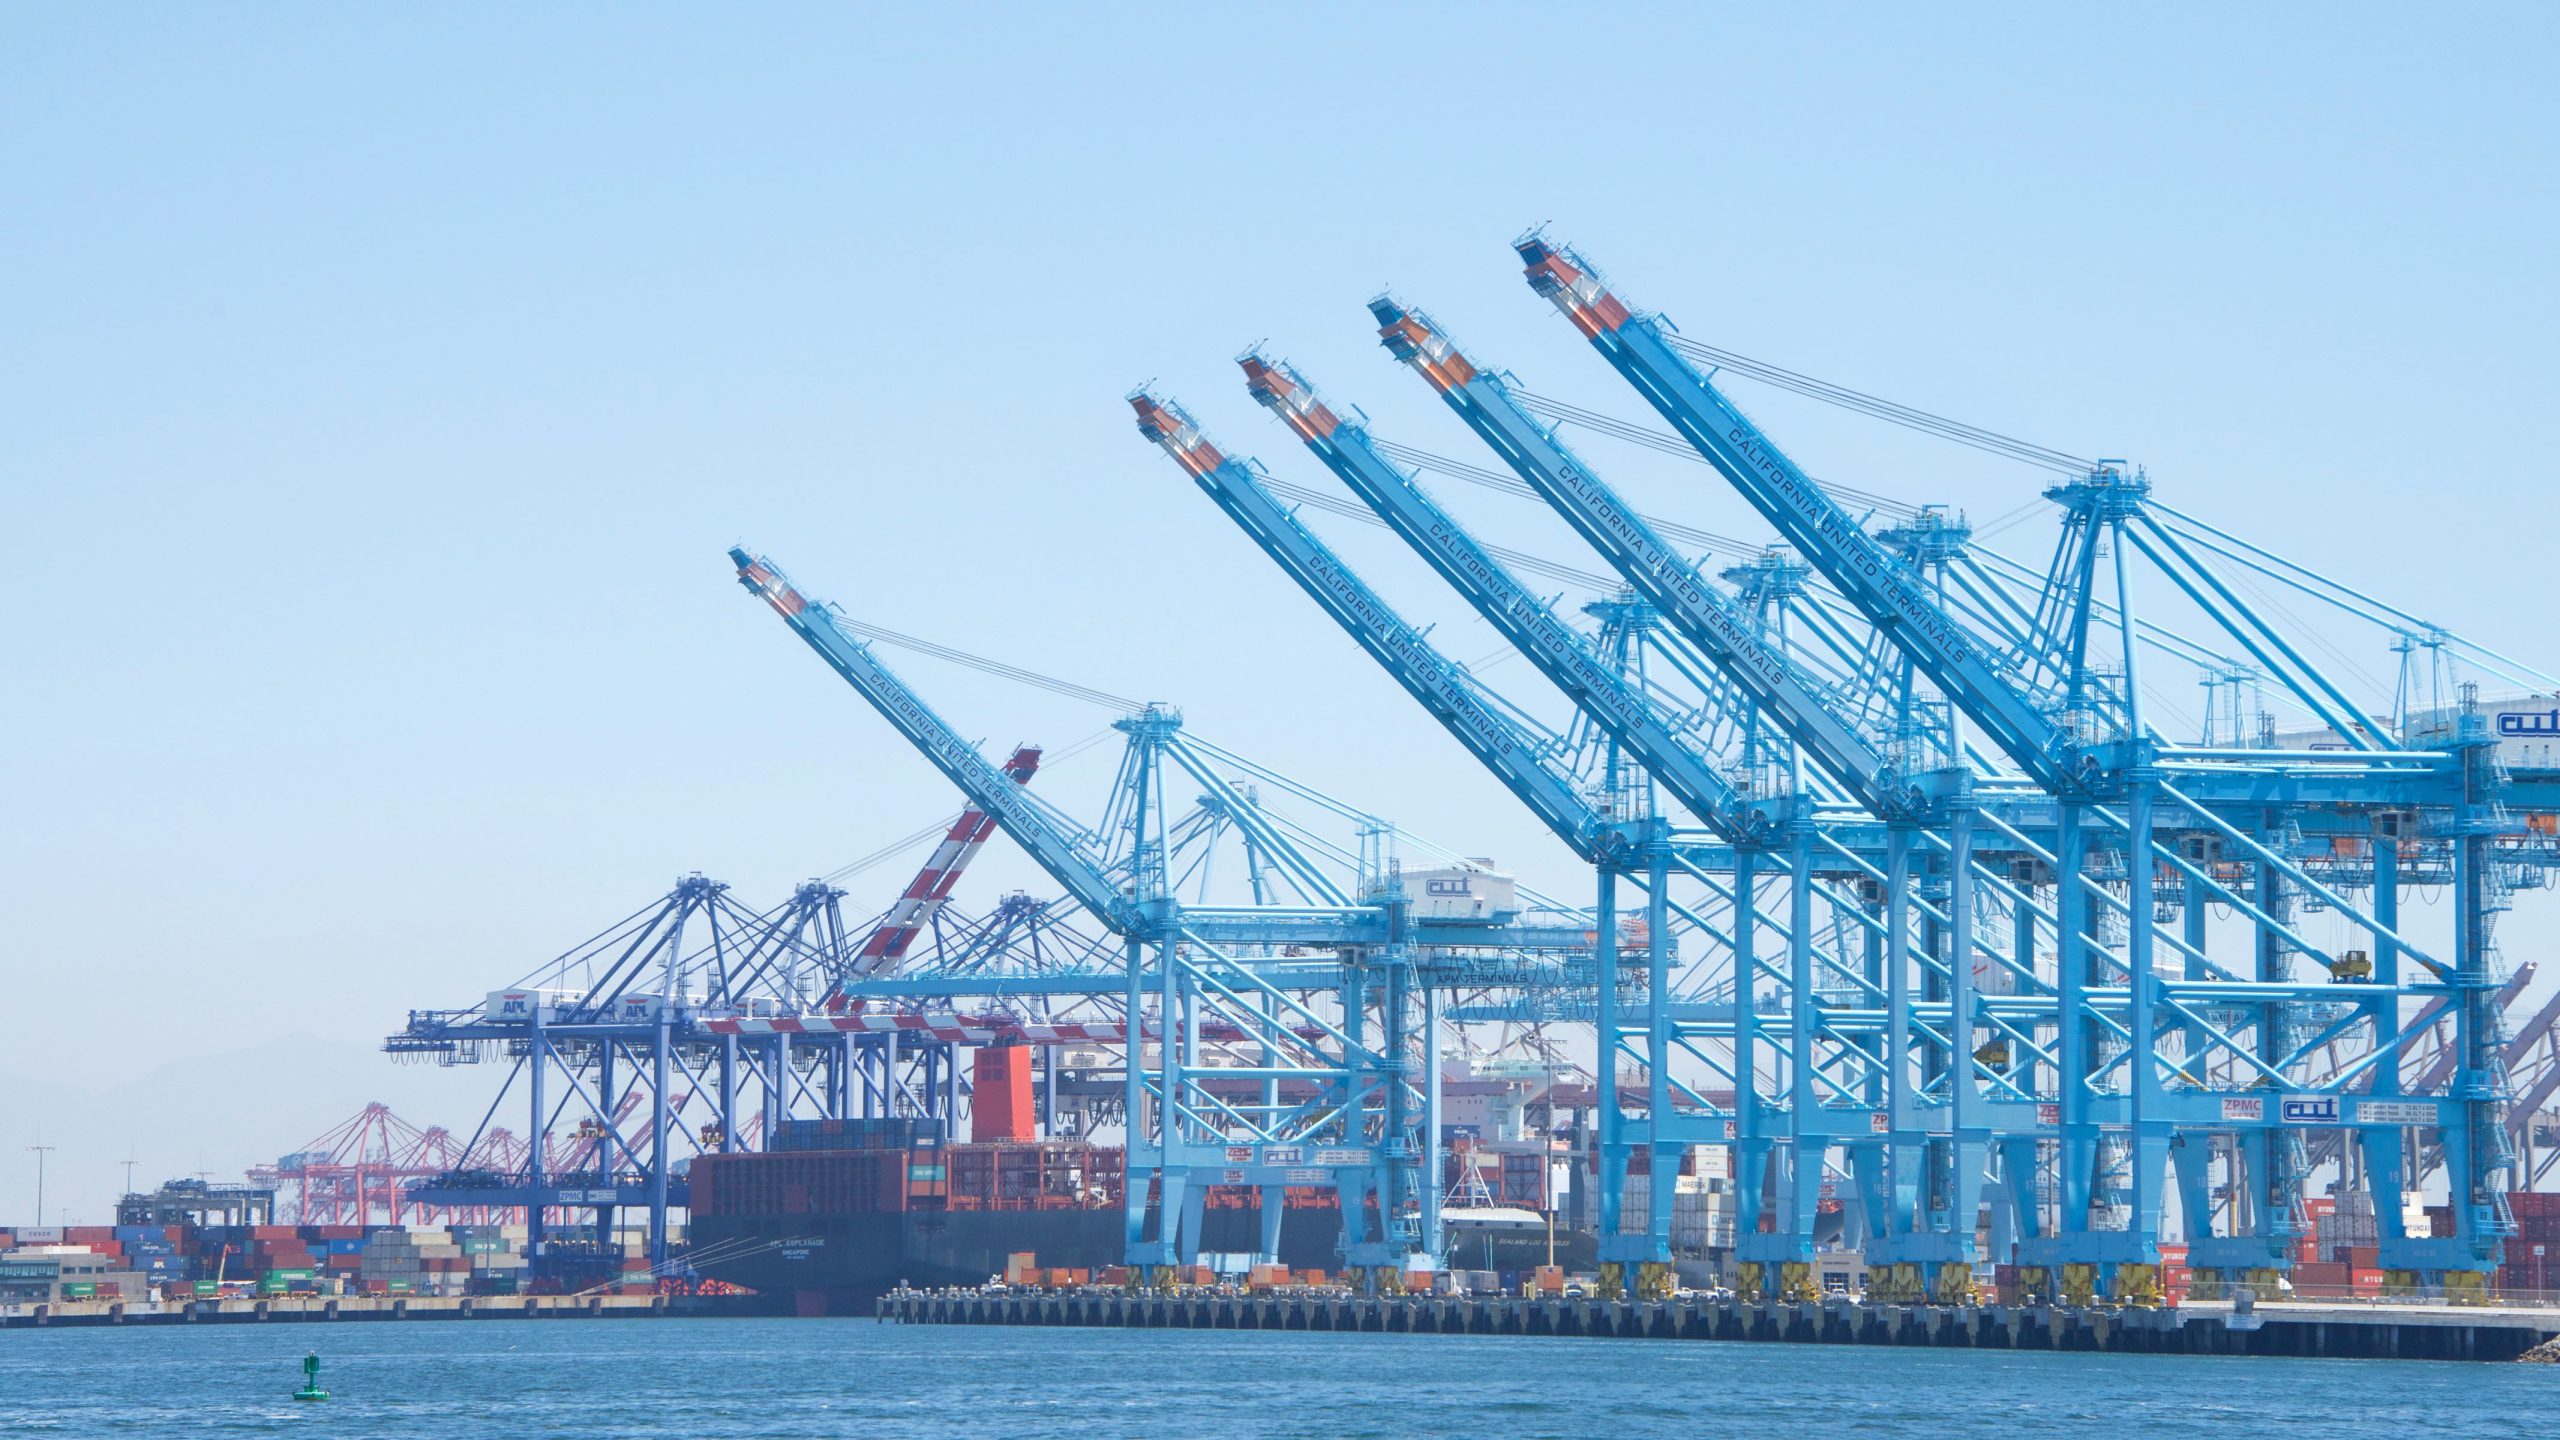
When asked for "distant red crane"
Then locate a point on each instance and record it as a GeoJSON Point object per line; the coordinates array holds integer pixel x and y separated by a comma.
{"type": "Point", "coordinates": [355, 1173]}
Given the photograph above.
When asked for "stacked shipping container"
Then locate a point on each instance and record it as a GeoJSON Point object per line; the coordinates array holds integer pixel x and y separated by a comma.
{"type": "Point", "coordinates": [2533, 1252]}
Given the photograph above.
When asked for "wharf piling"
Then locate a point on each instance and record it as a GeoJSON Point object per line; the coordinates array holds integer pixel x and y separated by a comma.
{"type": "Point", "coordinates": [2409, 1332]}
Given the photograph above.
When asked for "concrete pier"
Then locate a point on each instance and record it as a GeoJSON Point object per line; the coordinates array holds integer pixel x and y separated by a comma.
{"type": "Point", "coordinates": [2411, 1332]}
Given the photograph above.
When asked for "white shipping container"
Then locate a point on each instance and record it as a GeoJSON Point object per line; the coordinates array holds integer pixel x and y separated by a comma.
{"type": "Point", "coordinates": [522, 1004]}
{"type": "Point", "coordinates": [642, 1009]}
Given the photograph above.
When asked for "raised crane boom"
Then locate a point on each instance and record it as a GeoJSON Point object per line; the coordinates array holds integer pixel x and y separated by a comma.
{"type": "Point", "coordinates": [926, 894]}
{"type": "Point", "coordinates": [1558, 650]}
{"type": "Point", "coordinates": [1447, 691]}
{"type": "Point", "coordinates": [991, 790]}
{"type": "Point", "coordinates": [1830, 538]}
{"type": "Point", "coordinates": [1651, 564]}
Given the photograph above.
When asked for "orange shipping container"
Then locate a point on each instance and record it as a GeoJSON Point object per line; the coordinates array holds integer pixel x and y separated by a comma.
{"type": "Point", "coordinates": [1000, 1095]}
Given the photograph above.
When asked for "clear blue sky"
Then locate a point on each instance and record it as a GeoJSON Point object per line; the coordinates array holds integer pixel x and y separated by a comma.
{"type": "Point", "coordinates": [383, 384]}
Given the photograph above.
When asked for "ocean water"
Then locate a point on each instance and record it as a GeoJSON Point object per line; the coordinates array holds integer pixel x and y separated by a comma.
{"type": "Point", "coordinates": [708, 1379]}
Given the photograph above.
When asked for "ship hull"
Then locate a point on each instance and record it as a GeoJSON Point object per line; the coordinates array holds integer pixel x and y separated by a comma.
{"type": "Point", "coordinates": [843, 1264]}
{"type": "Point", "coordinates": [829, 1231]}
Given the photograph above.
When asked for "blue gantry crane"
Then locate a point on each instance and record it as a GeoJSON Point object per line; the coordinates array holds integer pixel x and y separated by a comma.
{"type": "Point", "coordinates": [1904, 1226]}
{"type": "Point", "coordinates": [2047, 704]}
{"type": "Point", "coordinates": [1368, 1056]}
{"type": "Point", "coordinates": [1937, 915]}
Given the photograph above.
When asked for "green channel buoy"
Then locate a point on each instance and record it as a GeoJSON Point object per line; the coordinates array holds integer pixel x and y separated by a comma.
{"type": "Point", "coordinates": [310, 1380]}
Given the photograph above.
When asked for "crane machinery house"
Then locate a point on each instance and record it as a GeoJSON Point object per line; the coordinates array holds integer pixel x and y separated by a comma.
{"type": "Point", "coordinates": [1463, 894]}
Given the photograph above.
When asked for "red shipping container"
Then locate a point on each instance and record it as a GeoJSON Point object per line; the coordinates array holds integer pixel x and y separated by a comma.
{"type": "Point", "coordinates": [1000, 1095]}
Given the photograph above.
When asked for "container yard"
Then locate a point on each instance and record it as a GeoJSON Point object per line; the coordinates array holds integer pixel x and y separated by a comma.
{"type": "Point", "coordinates": [154, 1274]}
{"type": "Point", "coordinates": [145, 1263]}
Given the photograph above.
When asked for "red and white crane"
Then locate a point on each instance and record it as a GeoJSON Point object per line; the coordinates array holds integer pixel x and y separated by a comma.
{"type": "Point", "coordinates": [931, 888]}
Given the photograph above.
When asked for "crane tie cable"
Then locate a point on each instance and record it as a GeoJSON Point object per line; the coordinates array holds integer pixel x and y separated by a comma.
{"type": "Point", "coordinates": [1517, 560]}
{"type": "Point", "coordinates": [1669, 444]}
{"type": "Point", "coordinates": [1991, 441]}
{"type": "Point", "coordinates": [1495, 480]}
{"type": "Point", "coordinates": [1033, 678]}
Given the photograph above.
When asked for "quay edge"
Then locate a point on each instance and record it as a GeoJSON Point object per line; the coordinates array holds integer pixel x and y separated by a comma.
{"type": "Point", "coordinates": [2407, 1332]}
{"type": "Point", "coordinates": [329, 1308]}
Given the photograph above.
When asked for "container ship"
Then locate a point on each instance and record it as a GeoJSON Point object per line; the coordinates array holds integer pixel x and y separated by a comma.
{"type": "Point", "coordinates": [829, 1230]}
{"type": "Point", "coordinates": [835, 1213]}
